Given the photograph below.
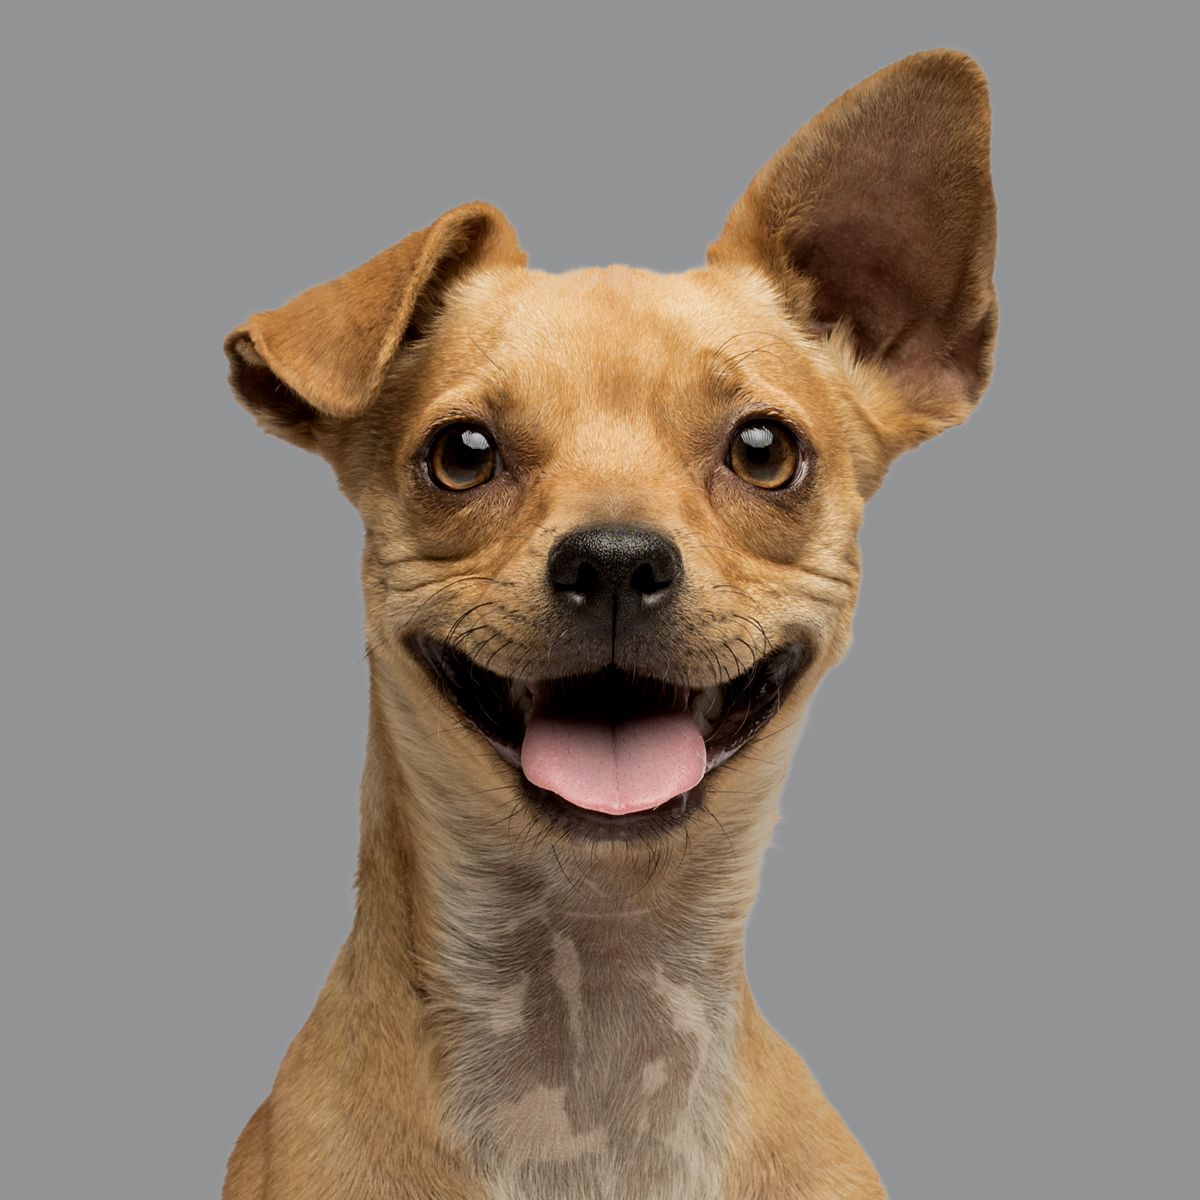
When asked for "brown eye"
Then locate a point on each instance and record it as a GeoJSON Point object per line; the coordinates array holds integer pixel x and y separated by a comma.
{"type": "Point", "coordinates": [462, 457]}
{"type": "Point", "coordinates": [766, 454]}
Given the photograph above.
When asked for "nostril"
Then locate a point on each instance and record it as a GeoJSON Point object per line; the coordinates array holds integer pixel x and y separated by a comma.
{"type": "Point", "coordinates": [645, 579]}
{"type": "Point", "coordinates": [602, 568]}
{"type": "Point", "coordinates": [587, 580]}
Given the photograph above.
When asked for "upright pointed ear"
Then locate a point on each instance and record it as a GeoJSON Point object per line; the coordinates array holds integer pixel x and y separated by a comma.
{"type": "Point", "coordinates": [877, 221]}
{"type": "Point", "coordinates": [322, 357]}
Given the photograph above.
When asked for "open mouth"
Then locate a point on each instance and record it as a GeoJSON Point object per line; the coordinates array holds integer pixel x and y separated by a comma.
{"type": "Point", "coordinates": [610, 753]}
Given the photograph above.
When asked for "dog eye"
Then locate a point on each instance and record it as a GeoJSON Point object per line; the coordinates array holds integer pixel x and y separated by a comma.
{"type": "Point", "coordinates": [462, 457]}
{"type": "Point", "coordinates": [766, 454]}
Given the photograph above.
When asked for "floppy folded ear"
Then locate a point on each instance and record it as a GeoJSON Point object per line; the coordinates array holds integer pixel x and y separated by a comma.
{"type": "Point", "coordinates": [323, 356]}
{"type": "Point", "coordinates": [878, 219]}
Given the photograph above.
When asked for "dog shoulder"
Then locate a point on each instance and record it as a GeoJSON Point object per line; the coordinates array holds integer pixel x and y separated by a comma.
{"type": "Point", "coordinates": [246, 1177]}
{"type": "Point", "coordinates": [792, 1143]}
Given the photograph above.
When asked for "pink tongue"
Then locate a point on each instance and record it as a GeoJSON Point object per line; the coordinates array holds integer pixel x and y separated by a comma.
{"type": "Point", "coordinates": [614, 769]}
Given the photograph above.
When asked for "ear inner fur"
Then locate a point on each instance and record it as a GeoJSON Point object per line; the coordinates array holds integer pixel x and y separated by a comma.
{"type": "Point", "coordinates": [878, 217]}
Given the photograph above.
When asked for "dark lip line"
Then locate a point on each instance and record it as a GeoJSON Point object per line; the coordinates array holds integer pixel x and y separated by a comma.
{"type": "Point", "coordinates": [581, 824]}
{"type": "Point", "coordinates": [608, 827]}
{"type": "Point", "coordinates": [789, 662]}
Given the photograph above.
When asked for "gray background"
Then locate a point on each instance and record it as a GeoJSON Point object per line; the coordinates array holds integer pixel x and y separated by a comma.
{"type": "Point", "coordinates": [978, 919]}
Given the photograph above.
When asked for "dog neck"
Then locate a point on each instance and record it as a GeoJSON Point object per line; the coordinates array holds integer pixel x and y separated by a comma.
{"type": "Point", "coordinates": [586, 1004]}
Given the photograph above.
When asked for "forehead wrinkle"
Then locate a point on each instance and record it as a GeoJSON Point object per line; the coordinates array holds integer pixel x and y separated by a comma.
{"type": "Point", "coordinates": [591, 370]}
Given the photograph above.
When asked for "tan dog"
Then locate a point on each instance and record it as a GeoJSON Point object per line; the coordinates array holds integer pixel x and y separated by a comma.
{"type": "Point", "coordinates": [611, 525]}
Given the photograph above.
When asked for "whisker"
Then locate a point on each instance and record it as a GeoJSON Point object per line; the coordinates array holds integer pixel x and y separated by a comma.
{"type": "Point", "coordinates": [720, 825]}
{"type": "Point", "coordinates": [458, 582]}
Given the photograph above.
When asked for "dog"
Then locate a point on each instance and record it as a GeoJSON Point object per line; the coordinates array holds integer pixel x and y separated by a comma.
{"type": "Point", "coordinates": [611, 547]}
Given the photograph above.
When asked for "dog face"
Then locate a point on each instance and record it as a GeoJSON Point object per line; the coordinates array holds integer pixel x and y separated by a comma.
{"type": "Point", "coordinates": [611, 516]}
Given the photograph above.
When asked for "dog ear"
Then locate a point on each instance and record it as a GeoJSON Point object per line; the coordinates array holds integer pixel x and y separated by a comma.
{"type": "Point", "coordinates": [878, 222]}
{"type": "Point", "coordinates": [322, 357]}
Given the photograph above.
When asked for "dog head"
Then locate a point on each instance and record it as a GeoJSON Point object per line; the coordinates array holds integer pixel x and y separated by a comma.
{"type": "Point", "coordinates": [611, 515]}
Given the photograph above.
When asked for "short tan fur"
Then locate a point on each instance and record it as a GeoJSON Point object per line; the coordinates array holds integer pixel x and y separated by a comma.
{"type": "Point", "coordinates": [520, 1013]}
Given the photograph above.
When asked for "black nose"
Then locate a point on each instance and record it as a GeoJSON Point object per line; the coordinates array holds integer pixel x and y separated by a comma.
{"type": "Point", "coordinates": [614, 576]}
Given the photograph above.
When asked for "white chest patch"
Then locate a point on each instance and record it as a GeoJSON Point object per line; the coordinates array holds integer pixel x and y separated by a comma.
{"type": "Point", "coordinates": [589, 1057]}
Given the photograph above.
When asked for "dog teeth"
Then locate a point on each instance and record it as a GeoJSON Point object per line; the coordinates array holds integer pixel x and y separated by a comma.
{"type": "Point", "coordinates": [716, 760]}
{"type": "Point", "coordinates": [520, 696]}
{"type": "Point", "coordinates": [704, 706]}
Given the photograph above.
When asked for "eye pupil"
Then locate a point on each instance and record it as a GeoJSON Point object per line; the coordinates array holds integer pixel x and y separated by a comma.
{"type": "Point", "coordinates": [462, 457]}
{"type": "Point", "coordinates": [766, 454]}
